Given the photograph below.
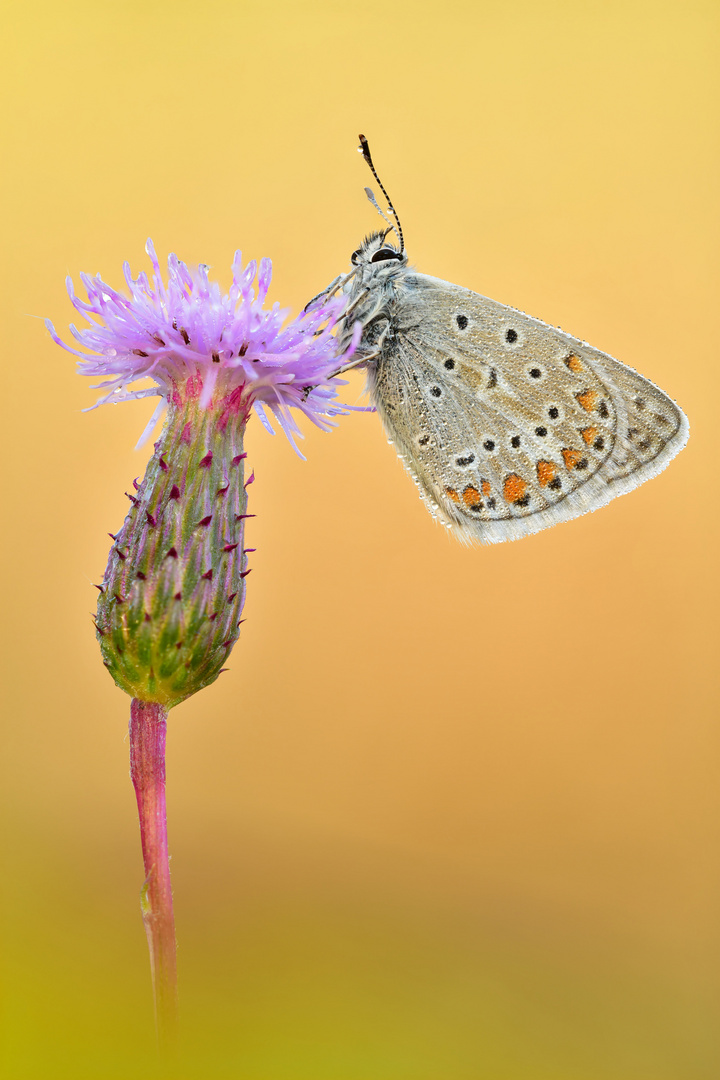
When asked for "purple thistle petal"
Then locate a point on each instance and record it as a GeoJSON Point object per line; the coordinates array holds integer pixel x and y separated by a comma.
{"type": "Point", "coordinates": [262, 417]}
{"type": "Point", "coordinates": [151, 425]}
{"type": "Point", "coordinates": [264, 278]}
{"type": "Point", "coordinates": [227, 344]}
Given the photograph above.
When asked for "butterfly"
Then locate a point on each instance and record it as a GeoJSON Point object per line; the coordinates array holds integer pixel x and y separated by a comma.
{"type": "Point", "coordinates": [507, 425]}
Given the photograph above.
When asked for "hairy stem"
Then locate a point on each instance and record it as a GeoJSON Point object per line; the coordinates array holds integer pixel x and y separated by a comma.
{"type": "Point", "coordinates": [148, 727]}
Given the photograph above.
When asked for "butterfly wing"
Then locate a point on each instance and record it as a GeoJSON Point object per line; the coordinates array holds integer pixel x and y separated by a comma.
{"type": "Point", "coordinates": [508, 425]}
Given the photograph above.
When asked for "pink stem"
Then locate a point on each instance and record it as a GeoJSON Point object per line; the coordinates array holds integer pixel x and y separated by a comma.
{"type": "Point", "coordinates": [148, 727]}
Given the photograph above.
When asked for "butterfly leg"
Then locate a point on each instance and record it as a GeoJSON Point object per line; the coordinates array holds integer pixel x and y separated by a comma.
{"type": "Point", "coordinates": [353, 363]}
{"type": "Point", "coordinates": [328, 291]}
{"type": "Point", "coordinates": [349, 310]}
{"type": "Point", "coordinates": [365, 357]}
{"type": "Point", "coordinates": [358, 300]}
{"type": "Point", "coordinates": [337, 283]}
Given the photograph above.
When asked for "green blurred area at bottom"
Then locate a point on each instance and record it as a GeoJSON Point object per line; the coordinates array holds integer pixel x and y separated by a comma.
{"type": "Point", "coordinates": [344, 991]}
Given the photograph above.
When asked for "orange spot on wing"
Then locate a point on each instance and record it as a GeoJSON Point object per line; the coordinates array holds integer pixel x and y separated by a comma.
{"type": "Point", "coordinates": [452, 494]}
{"type": "Point", "coordinates": [589, 434]}
{"type": "Point", "coordinates": [587, 399]}
{"type": "Point", "coordinates": [471, 496]}
{"type": "Point", "coordinates": [571, 458]}
{"type": "Point", "coordinates": [573, 362]}
{"type": "Point", "coordinates": [514, 488]}
{"type": "Point", "coordinates": [485, 486]}
{"type": "Point", "coordinates": [546, 471]}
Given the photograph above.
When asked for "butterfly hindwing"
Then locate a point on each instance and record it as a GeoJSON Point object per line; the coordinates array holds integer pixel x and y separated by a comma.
{"type": "Point", "coordinates": [509, 425]}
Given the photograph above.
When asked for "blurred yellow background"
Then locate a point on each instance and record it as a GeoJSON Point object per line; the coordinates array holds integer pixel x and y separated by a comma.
{"type": "Point", "coordinates": [453, 813]}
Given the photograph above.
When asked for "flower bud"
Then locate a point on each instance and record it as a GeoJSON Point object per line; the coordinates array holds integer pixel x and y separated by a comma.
{"type": "Point", "coordinates": [174, 587]}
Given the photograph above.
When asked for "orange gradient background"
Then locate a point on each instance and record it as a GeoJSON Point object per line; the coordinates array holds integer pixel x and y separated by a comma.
{"type": "Point", "coordinates": [452, 814]}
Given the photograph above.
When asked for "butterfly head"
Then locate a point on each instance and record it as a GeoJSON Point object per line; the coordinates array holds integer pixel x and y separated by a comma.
{"type": "Point", "coordinates": [377, 256]}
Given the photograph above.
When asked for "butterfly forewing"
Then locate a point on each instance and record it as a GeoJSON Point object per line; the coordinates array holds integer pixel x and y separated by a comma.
{"type": "Point", "coordinates": [507, 424]}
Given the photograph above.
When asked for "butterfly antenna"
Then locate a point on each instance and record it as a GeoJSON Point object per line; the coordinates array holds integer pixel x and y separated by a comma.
{"type": "Point", "coordinates": [371, 199]}
{"type": "Point", "coordinates": [364, 149]}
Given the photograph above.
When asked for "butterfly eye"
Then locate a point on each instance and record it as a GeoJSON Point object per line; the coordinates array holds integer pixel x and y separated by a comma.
{"type": "Point", "coordinates": [385, 253]}
{"type": "Point", "coordinates": [355, 256]}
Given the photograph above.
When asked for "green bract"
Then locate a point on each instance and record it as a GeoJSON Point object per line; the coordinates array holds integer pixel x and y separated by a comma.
{"type": "Point", "coordinates": [174, 586]}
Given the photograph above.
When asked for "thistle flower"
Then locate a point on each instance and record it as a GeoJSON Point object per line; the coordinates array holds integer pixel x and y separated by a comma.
{"type": "Point", "coordinates": [174, 587]}
{"type": "Point", "coordinates": [173, 591]}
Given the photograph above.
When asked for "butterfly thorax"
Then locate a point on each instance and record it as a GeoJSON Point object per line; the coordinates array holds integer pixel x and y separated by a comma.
{"type": "Point", "coordinates": [379, 268]}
